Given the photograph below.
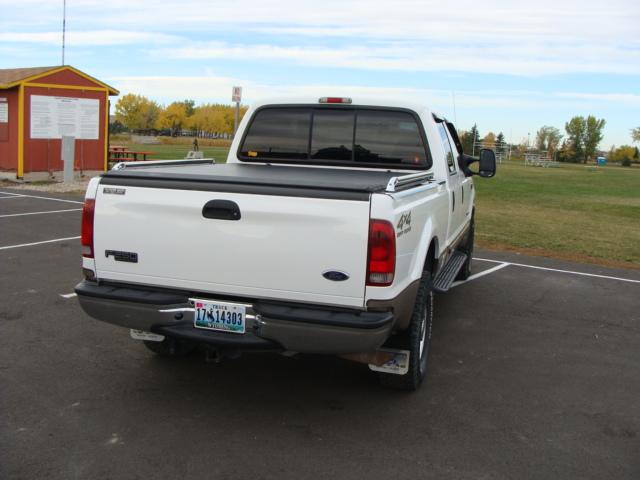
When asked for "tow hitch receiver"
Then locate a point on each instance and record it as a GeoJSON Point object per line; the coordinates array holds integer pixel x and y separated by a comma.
{"type": "Point", "coordinates": [148, 336]}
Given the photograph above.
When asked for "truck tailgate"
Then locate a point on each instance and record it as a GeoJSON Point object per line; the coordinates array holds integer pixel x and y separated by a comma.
{"type": "Point", "coordinates": [278, 248]}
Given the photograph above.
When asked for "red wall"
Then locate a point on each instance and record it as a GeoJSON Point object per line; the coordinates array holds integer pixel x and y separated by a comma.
{"type": "Point", "coordinates": [9, 132]}
{"type": "Point", "coordinates": [41, 155]}
{"type": "Point", "coordinates": [67, 77]}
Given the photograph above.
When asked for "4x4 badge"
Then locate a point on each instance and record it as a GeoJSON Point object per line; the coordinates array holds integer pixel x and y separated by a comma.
{"type": "Point", "coordinates": [405, 220]}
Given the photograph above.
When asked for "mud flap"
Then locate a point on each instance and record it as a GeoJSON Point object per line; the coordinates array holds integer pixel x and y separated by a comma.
{"type": "Point", "coordinates": [397, 365]}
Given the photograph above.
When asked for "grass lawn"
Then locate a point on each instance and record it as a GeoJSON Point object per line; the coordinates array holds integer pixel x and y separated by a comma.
{"type": "Point", "coordinates": [572, 212]}
{"type": "Point", "coordinates": [174, 152]}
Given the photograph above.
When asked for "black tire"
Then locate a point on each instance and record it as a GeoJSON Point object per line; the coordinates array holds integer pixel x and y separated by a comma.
{"type": "Point", "coordinates": [170, 347]}
{"type": "Point", "coordinates": [419, 331]}
{"type": "Point", "coordinates": [465, 271]}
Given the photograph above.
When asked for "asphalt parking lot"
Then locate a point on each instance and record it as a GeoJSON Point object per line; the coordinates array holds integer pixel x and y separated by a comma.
{"type": "Point", "coordinates": [534, 373]}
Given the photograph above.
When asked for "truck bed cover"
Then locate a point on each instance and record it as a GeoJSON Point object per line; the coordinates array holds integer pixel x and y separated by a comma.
{"type": "Point", "coordinates": [294, 181]}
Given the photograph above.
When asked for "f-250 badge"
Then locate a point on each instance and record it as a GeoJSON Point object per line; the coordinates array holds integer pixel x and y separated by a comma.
{"type": "Point", "coordinates": [404, 225]}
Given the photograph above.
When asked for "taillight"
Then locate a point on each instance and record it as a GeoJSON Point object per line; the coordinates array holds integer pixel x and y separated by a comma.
{"type": "Point", "coordinates": [381, 256]}
{"type": "Point", "coordinates": [87, 227]}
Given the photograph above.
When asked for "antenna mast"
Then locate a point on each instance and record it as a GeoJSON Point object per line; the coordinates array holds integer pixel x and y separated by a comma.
{"type": "Point", "coordinates": [64, 25]}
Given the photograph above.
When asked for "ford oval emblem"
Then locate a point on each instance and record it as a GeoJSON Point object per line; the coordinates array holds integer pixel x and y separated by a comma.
{"type": "Point", "coordinates": [335, 276]}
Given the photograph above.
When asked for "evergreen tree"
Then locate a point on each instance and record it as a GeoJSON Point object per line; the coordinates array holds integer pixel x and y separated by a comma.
{"type": "Point", "coordinates": [475, 139]}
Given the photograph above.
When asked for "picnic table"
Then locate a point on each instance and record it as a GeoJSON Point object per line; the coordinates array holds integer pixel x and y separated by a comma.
{"type": "Point", "coordinates": [121, 153]}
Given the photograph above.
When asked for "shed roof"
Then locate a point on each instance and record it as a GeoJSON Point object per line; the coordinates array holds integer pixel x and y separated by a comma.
{"type": "Point", "coordinates": [10, 77]}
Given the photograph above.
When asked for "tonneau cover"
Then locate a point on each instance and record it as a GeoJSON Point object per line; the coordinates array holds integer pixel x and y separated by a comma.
{"type": "Point", "coordinates": [298, 177]}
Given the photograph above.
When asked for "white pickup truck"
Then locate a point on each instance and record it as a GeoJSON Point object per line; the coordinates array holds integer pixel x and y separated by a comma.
{"type": "Point", "coordinates": [327, 231]}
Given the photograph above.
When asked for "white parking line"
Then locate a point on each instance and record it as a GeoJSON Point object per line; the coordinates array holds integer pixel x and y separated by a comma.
{"type": "Point", "coordinates": [11, 197]}
{"type": "Point", "coordinates": [41, 213]}
{"type": "Point", "coordinates": [38, 243]}
{"type": "Point", "coordinates": [584, 274]}
{"type": "Point", "coordinates": [15, 195]}
{"type": "Point", "coordinates": [68, 295]}
{"type": "Point", "coordinates": [481, 274]}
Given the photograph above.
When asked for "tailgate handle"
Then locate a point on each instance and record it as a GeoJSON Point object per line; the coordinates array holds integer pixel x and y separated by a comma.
{"type": "Point", "coordinates": [221, 210]}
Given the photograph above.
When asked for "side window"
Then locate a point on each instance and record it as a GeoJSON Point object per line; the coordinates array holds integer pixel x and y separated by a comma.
{"type": "Point", "coordinates": [279, 133]}
{"type": "Point", "coordinates": [446, 146]}
{"type": "Point", "coordinates": [388, 137]}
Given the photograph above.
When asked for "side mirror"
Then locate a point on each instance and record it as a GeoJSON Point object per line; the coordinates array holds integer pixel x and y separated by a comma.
{"type": "Point", "coordinates": [487, 163]}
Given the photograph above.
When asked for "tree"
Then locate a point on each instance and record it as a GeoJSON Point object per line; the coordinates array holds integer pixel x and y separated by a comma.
{"type": "Point", "coordinates": [189, 106]}
{"type": "Point", "coordinates": [623, 154]}
{"type": "Point", "coordinates": [575, 129]}
{"type": "Point", "coordinates": [584, 136]}
{"type": "Point", "coordinates": [489, 140]}
{"type": "Point", "coordinates": [116, 127]}
{"type": "Point", "coordinates": [469, 138]}
{"type": "Point", "coordinates": [210, 118]}
{"type": "Point", "coordinates": [635, 135]}
{"type": "Point", "coordinates": [174, 117]}
{"type": "Point", "coordinates": [592, 136]}
{"type": "Point", "coordinates": [547, 139]}
{"type": "Point", "coordinates": [475, 135]}
{"type": "Point", "coordinates": [137, 112]}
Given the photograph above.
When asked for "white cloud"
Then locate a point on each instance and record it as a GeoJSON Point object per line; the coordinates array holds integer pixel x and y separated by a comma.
{"type": "Point", "coordinates": [497, 36]}
{"type": "Point", "coordinates": [213, 88]}
{"type": "Point", "coordinates": [624, 98]}
{"type": "Point", "coordinates": [529, 59]}
{"type": "Point", "coordinates": [88, 38]}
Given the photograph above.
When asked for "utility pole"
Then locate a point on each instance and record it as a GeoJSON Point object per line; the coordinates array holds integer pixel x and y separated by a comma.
{"type": "Point", "coordinates": [64, 25]}
{"type": "Point", "coordinates": [235, 119]}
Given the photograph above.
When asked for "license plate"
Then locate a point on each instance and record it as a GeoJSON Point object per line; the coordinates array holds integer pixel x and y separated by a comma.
{"type": "Point", "coordinates": [219, 316]}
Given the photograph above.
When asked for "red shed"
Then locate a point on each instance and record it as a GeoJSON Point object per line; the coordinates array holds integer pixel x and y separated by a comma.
{"type": "Point", "coordinates": [38, 106]}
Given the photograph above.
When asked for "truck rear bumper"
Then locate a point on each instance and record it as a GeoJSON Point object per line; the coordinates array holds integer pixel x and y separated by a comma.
{"type": "Point", "coordinates": [269, 326]}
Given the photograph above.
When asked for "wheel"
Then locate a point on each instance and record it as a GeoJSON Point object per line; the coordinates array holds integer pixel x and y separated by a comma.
{"type": "Point", "coordinates": [170, 347]}
{"type": "Point", "coordinates": [465, 271]}
{"type": "Point", "coordinates": [416, 339]}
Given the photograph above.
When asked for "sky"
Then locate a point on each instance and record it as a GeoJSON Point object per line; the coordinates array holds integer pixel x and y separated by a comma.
{"type": "Point", "coordinates": [504, 65]}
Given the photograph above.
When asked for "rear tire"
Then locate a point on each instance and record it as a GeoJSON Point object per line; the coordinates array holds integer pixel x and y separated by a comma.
{"type": "Point", "coordinates": [416, 339]}
{"type": "Point", "coordinates": [170, 347]}
{"type": "Point", "coordinates": [465, 271]}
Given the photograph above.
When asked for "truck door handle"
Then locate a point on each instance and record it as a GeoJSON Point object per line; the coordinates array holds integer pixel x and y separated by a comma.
{"type": "Point", "coordinates": [221, 210]}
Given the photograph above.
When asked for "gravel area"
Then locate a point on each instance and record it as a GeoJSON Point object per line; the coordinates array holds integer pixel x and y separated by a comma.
{"type": "Point", "coordinates": [54, 187]}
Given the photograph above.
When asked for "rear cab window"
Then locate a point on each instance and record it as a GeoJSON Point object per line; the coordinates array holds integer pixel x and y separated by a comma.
{"type": "Point", "coordinates": [348, 136]}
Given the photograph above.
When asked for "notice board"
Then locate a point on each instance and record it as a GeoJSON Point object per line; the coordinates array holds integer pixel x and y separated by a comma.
{"type": "Point", "coordinates": [4, 119]}
{"type": "Point", "coordinates": [55, 117]}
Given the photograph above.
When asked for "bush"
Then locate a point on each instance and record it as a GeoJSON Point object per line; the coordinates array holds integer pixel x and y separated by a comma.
{"type": "Point", "coordinates": [626, 162]}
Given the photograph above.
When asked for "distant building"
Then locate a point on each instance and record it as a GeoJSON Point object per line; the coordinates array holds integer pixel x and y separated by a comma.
{"type": "Point", "coordinates": [41, 104]}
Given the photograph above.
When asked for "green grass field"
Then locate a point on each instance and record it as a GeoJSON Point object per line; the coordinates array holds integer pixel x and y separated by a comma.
{"type": "Point", "coordinates": [573, 212]}
{"type": "Point", "coordinates": [173, 152]}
